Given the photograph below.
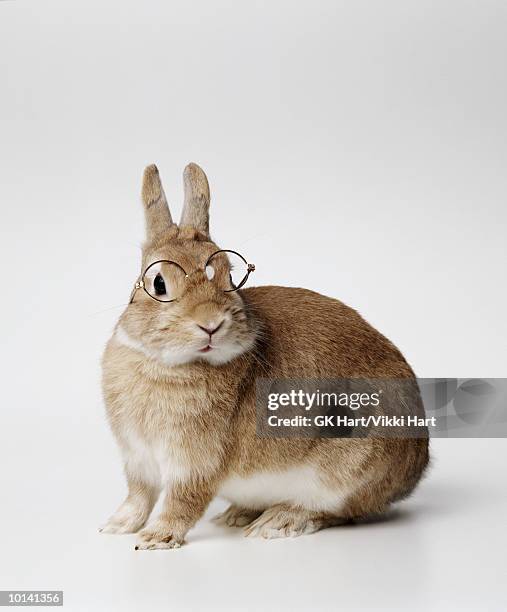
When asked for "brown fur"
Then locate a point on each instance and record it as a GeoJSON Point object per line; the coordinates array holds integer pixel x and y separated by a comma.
{"type": "Point", "coordinates": [205, 413]}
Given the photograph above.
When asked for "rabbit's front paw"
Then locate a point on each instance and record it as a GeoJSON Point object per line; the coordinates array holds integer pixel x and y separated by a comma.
{"type": "Point", "coordinates": [159, 535]}
{"type": "Point", "coordinates": [129, 518]}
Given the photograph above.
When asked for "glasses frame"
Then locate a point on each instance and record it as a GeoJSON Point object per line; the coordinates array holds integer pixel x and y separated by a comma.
{"type": "Point", "coordinates": [141, 284]}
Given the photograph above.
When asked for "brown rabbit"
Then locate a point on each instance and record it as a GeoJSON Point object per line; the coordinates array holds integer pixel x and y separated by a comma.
{"type": "Point", "coordinates": [179, 377]}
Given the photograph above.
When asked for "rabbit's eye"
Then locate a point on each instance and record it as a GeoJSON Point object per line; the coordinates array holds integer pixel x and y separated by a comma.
{"type": "Point", "coordinates": [159, 285]}
{"type": "Point", "coordinates": [210, 272]}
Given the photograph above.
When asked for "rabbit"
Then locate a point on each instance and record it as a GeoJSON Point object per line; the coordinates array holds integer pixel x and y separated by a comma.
{"type": "Point", "coordinates": [179, 380]}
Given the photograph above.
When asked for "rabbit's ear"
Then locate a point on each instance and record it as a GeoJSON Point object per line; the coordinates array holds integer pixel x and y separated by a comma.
{"type": "Point", "coordinates": [156, 211]}
{"type": "Point", "coordinates": [196, 205]}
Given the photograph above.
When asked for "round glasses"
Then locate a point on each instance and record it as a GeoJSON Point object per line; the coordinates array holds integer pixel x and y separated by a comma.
{"type": "Point", "coordinates": [166, 281]}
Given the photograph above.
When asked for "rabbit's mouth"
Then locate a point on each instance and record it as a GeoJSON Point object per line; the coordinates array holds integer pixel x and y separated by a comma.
{"type": "Point", "coordinates": [206, 349]}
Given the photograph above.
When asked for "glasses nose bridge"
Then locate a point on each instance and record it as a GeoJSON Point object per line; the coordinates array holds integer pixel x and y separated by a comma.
{"type": "Point", "coordinates": [196, 271]}
{"type": "Point", "coordinates": [197, 280]}
{"type": "Point", "coordinates": [205, 290]}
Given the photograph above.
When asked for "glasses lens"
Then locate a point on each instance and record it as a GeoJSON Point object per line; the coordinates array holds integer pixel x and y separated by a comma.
{"type": "Point", "coordinates": [228, 269]}
{"type": "Point", "coordinates": [164, 281]}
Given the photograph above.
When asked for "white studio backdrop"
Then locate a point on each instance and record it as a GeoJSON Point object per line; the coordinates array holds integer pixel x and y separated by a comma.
{"type": "Point", "coordinates": [354, 148]}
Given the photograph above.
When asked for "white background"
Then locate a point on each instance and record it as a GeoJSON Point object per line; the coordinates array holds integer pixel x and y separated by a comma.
{"type": "Point", "coordinates": [356, 148]}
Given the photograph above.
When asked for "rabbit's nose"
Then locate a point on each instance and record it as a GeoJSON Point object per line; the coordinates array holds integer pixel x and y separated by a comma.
{"type": "Point", "coordinates": [212, 328]}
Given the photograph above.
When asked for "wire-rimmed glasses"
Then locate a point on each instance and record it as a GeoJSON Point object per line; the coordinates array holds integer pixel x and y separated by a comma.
{"type": "Point", "coordinates": [166, 281]}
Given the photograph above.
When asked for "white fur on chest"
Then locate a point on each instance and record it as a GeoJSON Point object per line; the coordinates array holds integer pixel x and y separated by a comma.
{"type": "Point", "coordinates": [299, 485]}
{"type": "Point", "coordinates": [158, 462]}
